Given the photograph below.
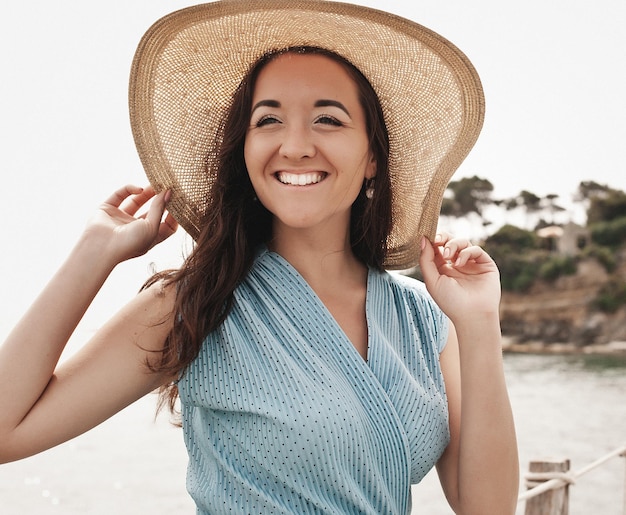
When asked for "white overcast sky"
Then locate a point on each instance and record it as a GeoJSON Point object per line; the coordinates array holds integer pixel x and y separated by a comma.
{"type": "Point", "coordinates": [554, 74]}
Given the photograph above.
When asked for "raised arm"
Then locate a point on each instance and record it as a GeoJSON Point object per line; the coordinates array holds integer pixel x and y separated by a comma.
{"type": "Point", "coordinates": [43, 404]}
{"type": "Point", "coordinates": [479, 470]}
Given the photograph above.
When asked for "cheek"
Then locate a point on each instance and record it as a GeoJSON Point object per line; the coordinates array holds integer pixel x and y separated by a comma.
{"type": "Point", "coordinates": [254, 155]}
{"type": "Point", "coordinates": [247, 153]}
{"type": "Point", "coordinates": [255, 167]}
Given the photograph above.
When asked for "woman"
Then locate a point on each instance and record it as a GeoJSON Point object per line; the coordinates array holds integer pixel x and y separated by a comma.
{"type": "Point", "coordinates": [310, 380]}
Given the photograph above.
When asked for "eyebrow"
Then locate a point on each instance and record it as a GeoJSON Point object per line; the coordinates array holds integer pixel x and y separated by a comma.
{"type": "Point", "coordinates": [318, 103]}
{"type": "Point", "coordinates": [266, 103]}
{"type": "Point", "coordinates": [333, 103]}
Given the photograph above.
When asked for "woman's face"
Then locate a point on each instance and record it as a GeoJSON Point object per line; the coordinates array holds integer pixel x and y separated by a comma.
{"type": "Point", "coordinates": [306, 148]}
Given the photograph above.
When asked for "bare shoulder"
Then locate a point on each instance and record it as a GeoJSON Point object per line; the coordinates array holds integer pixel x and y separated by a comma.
{"type": "Point", "coordinates": [149, 315]}
{"type": "Point", "coordinates": [130, 340]}
{"type": "Point", "coordinates": [159, 295]}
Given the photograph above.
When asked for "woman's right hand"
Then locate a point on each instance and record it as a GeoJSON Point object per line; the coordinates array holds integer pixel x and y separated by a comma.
{"type": "Point", "coordinates": [126, 235]}
{"type": "Point", "coordinates": [69, 398]}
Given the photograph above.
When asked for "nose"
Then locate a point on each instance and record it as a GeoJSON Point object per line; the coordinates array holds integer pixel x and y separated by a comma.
{"type": "Point", "coordinates": [297, 143]}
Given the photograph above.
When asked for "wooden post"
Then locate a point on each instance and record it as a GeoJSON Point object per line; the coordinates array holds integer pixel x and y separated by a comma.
{"type": "Point", "coordinates": [552, 502]}
{"type": "Point", "coordinates": [623, 455]}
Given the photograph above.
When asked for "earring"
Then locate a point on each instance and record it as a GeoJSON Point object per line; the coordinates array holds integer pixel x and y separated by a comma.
{"type": "Point", "coordinates": [369, 188]}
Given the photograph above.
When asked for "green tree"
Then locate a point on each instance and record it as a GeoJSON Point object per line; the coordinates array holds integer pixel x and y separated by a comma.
{"type": "Point", "coordinates": [527, 201]}
{"type": "Point", "coordinates": [589, 189]}
{"type": "Point", "coordinates": [549, 201]}
{"type": "Point", "coordinates": [607, 207]}
{"type": "Point", "coordinates": [469, 195]}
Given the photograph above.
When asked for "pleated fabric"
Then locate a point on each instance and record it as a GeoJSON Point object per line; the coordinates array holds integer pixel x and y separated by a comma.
{"type": "Point", "coordinates": [282, 415]}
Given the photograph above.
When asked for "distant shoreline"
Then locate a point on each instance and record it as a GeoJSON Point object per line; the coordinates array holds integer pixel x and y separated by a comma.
{"type": "Point", "coordinates": [538, 347]}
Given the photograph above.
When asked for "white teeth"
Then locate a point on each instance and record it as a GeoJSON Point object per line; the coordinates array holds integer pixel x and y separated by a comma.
{"type": "Point", "coordinates": [300, 179]}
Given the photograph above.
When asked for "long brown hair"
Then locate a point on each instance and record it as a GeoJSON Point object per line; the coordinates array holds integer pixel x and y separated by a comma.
{"type": "Point", "coordinates": [237, 224]}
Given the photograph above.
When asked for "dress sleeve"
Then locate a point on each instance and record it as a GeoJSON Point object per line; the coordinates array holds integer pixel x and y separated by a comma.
{"type": "Point", "coordinates": [433, 322]}
{"type": "Point", "coordinates": [439, 320]}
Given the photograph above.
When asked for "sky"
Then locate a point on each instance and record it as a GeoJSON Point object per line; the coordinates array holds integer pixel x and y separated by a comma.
{"type": "Point", "coordinates": [553, 71]}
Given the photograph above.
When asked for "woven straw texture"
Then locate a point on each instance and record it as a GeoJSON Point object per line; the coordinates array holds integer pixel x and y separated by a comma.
{"type": "Point", "coordinates": [190, 62]}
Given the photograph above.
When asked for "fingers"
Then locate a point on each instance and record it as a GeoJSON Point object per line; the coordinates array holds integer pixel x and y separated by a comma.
{"type": "Point", "coordinates": [130, 198]}
{"type": "Point", "coordinates": [133, 203]}
{"type": "Point", "coordinates": [456, 251]}
{"type": "Point", "coordinates": [447, 251]}
{"type": "Point", "coordinates": [164, 228]}
{"type": "Point", "coordinates": [122, 194]}
{"type": "Point", "coordinates": [167, 228]}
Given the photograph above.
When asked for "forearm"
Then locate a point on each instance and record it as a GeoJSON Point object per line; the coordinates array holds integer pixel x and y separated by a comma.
{"type": "Point", "coordinates": [30, 353]}
{"type": "Point", "coordinates": [488, 473]}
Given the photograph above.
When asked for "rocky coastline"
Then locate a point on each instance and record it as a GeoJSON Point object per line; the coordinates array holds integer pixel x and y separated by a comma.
{"type": "Point", "coordinates": [561, 316]}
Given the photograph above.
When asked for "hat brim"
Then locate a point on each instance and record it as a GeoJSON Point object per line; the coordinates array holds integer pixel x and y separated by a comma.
{"type": "Point", "coordinates": [190, 62]}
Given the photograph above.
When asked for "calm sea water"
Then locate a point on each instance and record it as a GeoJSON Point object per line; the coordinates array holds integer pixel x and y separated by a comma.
{"type": "Point", "coordinates": [565, 406]}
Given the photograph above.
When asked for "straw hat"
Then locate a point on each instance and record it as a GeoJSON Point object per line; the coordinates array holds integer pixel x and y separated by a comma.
{"type": "Point", "coordinates": [190, 62]}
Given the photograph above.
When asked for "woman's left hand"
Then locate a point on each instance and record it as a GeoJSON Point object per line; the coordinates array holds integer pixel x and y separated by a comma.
{"type": "Point", "coordinates": [462, 278]}
{"type": "Point", "coordinates": [479, 470]}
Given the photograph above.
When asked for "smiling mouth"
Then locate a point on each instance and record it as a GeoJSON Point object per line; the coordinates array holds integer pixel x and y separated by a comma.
{"type": "Point", "coordinates": [300, 179]}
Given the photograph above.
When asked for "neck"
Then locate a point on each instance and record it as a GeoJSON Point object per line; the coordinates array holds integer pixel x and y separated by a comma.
{"type": "Point", "coordinates": [324, 258]}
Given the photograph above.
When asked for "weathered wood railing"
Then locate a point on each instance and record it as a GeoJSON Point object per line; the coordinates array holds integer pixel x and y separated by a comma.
{"type": "Point", "coordinates": [548, 484]}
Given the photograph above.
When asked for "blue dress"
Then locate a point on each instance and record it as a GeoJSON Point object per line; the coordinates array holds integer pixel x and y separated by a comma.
{"type": "Point", "coordinates": [282, 415]}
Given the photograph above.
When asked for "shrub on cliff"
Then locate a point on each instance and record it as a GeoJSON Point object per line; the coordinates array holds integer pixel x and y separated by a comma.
{"type": "Point", "coordinates": [512, 239]}
{"type": "Point", "coordinates": [556, 266]}
{"type": "Point", "coordinates": [611, 233]}
{"type": "Point", "coordinates": [604, 255]}
{"type": "Point", "coordinates": [514, 251]}
{"type": "Point", "coordinates": [517, 273]}
{"type": "Point", "coordinates": [611, 296]}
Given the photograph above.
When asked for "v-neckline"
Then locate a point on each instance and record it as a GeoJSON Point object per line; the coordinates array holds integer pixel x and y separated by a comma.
{"type": "Point", "coordinates": [365, 360]}
{"type": "Point", "coordinates": [363, 374]}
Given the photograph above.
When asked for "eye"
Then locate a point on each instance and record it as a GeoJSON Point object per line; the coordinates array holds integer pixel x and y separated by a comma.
{"type": "Point", "coordinates": [326, 119]}
{"type": "Point", "coordinates": [268, 119]}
